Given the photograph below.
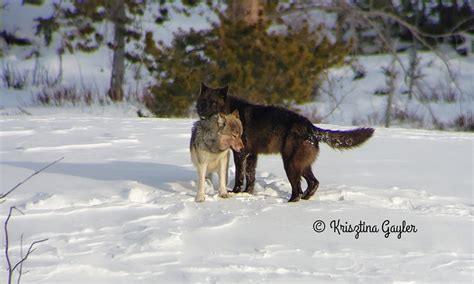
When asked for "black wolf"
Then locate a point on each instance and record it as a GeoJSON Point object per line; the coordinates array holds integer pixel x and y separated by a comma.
{"type": "Point", "coordinates": [272, 129]}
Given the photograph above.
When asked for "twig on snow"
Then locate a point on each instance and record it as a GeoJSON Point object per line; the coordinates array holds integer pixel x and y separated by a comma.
{"type": "Point", "coordinates": [4, 195]}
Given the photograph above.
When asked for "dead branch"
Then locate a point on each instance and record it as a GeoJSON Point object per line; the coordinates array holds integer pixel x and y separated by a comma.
{"type": "Point", "coordinates": [4, 195]}
{"type": "Point", "coordinates": [31, 249]}
{"type": "Point", "coordinates": [330, 93]}
{"type": "Point", "coordinates": [24, 111]}
{"type": "Point", "coordinates": [11, 268]}
{"type": "Point", "coordinates": [19, 265]}
{"type": "Point", "coordinates": [20, 269]}
{"type": "Point", "coordinates": [7, 243]}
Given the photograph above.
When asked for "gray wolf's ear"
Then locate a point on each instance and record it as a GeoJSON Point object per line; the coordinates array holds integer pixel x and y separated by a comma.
{"type": "Point", "coordinates": [236, 114]}
{"type": "Point", "coordinates": [223, 92]}
{"type": "Point", "coordinates": [203, 87]}
{"type": "Point", "coordinates": [221, 119]}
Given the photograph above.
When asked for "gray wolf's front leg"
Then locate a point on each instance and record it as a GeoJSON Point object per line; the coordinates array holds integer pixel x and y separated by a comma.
{"type": "Point", "coordinates": [201, 169]}
{"type": "Point", "coordinates": [223, 166]}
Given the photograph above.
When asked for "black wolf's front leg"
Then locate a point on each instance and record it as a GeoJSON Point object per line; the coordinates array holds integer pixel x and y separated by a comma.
{"type": "Point", "coordinates": [239, 160]}
{"type": "Point", "coordinates": [250, 168]}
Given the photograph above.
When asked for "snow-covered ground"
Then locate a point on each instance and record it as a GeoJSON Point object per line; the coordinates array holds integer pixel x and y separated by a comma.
{"type": "Point", "coordinates": [445, 97]}
{"type": "Point", "coordinates": [120, 207]}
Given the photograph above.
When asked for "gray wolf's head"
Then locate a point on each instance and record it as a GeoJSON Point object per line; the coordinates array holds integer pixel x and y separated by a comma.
{"type": "Point", "coordinates": [230, 131]}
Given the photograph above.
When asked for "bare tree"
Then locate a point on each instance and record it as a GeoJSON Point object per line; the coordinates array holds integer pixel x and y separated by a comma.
{"type": "Point", "coordinates": [356, 16]}
{"type": "Point", "coordinates": [119, 19]}
{"type": "Point", "coordinates": [390, 79]}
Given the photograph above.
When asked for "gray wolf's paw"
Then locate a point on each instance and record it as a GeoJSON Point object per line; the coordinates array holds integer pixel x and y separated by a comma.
{"type": "Point", "coordinates": [224, 195]}
{"type": "Point", "coordinates": [200, 198]}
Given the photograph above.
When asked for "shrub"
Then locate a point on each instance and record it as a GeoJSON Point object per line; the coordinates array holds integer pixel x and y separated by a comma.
{"type": "Point", "coordinates": [464, 122]}
{"type": "Point", "coordinates": [68, 95]}
{"type": "Point", "coordinates": [263, 67]}
{"type": "Point", "coordinates": [441, 92]}
{"type": "Point", "coordinates": [12, 78]}
{"type": "Point", "coordinates": [359, 71]}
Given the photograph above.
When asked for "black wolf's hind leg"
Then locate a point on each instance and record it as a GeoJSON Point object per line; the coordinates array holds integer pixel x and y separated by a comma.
{"type": "Point", "coordinates": [294, 176]}
{"type": "Point", "coordinates": [295, 182]}
{"type": "Point", "coordinates": [313, 183]}
{"type": "Point", "coordinates": [298, 155]}
{"type": "Point", "coordinates": [250, 168]}
{"type": "Point", "coordinates": [239, 160]}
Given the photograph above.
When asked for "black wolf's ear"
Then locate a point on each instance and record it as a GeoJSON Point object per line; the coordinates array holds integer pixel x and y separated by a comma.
{"type": "Point", "coordinates": [236, 114]}
{"type": "Point", "coordinates": [203, 87]}
{"type": "Point", "coordinates": [223, 92]}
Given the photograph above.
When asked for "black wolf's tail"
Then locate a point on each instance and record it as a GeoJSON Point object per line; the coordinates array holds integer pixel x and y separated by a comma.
{"type": "Point", "coordinates": [345, 139]}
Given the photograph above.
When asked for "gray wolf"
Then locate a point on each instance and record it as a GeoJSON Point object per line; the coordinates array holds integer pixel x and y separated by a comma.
{"type": "Point", "coordinates": [211, 140]}
{"type": "Point", "coordinates": [272, 129]}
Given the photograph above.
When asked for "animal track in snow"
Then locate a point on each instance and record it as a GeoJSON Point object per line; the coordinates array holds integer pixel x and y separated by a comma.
{"type": "Point", "coordinates": [398, 199]}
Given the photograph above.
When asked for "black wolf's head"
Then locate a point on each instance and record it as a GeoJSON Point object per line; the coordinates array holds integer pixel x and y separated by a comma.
{"type": "Point", "coordinates": [211, 101]}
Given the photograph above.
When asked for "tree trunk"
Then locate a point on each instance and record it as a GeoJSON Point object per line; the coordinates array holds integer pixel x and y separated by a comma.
{"type": "Point", "coordinates": [390, 77]}
{"type": "Point", "coordinates": [60, 72]}
{"type": "Point", "coordinates": [118, 64]}
{"type": "Point", "coordinates": [341, 18]}
{"type": "Point", "coordinates": [246, 11]}
{"type": "Point", "coordinates": [35, 69]}
{"type": "Point", "coordinates": [414, 61]}
{"type": "Point", "coordinates": [412, 69]}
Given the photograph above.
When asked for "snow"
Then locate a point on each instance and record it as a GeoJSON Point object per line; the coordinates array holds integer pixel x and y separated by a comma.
{"type": "Point", "coordinates": [120, 207]}
{"type": "Point", "coordinates": [91, 70]}
{"type": "Point", "coordinates": [345, 101]}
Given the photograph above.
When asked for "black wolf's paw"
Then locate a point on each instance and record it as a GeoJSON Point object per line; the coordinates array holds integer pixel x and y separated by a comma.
{"type": "Point", "coordinates": [309, 192]}
{"type": "Point", "coordinates": [249, 191]}
{"type": "Point", "coordinates": [307, 195]}
{"type": "Point", "coordinates": [237, 189]}
{"type": "Point", "coordinates": [295, 198]}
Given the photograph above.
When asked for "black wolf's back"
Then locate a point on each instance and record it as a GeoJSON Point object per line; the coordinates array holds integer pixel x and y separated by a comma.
{"type": "Point", "coordinates": [267, 128]}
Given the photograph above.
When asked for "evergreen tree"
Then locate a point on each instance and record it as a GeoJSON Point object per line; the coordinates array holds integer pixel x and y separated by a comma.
{"type": "Point", "coordinates": [264, 67]}
{"type": "Point", "coordinates": [78, 20]}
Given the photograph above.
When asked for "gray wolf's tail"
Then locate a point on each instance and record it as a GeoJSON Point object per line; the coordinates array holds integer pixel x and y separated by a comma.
{"type": "Point", "coordinates": [343, 139]}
